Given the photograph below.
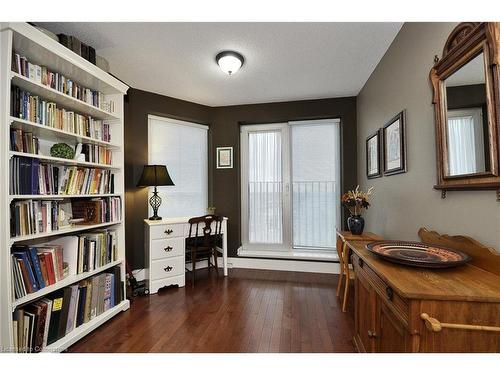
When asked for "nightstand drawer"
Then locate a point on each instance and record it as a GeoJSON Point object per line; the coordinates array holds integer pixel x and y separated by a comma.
{"type": "Point", "coordinates": [168, 267]}
{"type": "Point", "coordinates": [166, 231]}
{"type": "Point", "coordinates": [167, 248]}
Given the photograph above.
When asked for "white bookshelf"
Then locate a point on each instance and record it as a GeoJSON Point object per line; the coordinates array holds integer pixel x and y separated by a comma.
{"type": "Point", "coordinates": [42, 50]}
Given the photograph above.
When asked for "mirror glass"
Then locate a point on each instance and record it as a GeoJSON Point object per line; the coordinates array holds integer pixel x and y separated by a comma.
{"type": "Point", "coordinates": [467, 119]}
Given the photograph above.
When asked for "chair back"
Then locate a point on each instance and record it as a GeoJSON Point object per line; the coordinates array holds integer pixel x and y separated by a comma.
{"type": "Point", "coordinates": [209, 235]}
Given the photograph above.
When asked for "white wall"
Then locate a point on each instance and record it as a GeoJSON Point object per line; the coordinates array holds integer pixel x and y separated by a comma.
{"type": "Point", "coordinates": [403, 203]}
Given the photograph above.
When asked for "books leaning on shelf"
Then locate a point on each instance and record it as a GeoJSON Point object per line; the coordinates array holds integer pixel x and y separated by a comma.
{"type": "Point", "coordinates": [32, 177]}
{"type": "Point", "coordinates": [49, 319]}
{"type": "Point", "coordinates": [21, 141]}
{"type": "Point", "coordinates": [35, 109]}
{"type": "Point", "coordinates": [33, 216]}
{"type": "Point", "coordinates": [35, 267]}
{"type": "Point", "coordinates": [57, 81]}
{"type": "Point", "coordinates": [95, 250]}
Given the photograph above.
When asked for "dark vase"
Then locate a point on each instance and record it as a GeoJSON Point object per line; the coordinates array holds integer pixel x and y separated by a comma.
{"type": "Point", "coordinates": [356, 224]}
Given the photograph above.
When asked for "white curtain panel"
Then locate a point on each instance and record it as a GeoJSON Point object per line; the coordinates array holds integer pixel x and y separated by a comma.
{"type": "Point", "coordinates": [183, 148]}
{"type": "Point", "coordinates": [461, 145]}
{"type": "Point", "coordinates": [315, 183]}
{"type": "Point", "coordinates": [265, 184]}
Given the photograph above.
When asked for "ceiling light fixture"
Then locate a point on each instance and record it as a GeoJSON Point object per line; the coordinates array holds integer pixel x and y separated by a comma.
{"type": "Point", "coordinates": [229, 61]}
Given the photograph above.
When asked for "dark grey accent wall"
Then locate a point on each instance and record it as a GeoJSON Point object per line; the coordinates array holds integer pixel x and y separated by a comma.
{"type": "Point", "coordinates": [224, 124]}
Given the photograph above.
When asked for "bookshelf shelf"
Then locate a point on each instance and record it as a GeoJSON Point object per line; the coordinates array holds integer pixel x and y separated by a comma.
{"type": "Point", "coordinates": [39, 49]}
{"type": "Point", "coordinates": [62, 161]}
{"type": "Point", "coordinates": [85, 328]}
{"type": "Point", "coordinates": [72, 279]}
{"type": "Point", "coordinates": [73, 229]}
{"type": "Point", "coordinates": [57, 135]}
{"type": "Point", "coordinates": [63, 100]}
{"type": "Point", "coordinates": [61, 196]}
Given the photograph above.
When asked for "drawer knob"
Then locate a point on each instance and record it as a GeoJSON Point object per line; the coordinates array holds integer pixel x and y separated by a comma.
{"type": "Point", "coordinates": [169, 231]}
{"type": "Point", "coordinates": [372, 334]}
{"type": "Point", "coordinates": [168, 249]}
{"type": "Point", "coordinates": [168, 269]}
{"type": "Point", "coordinates": [360, 262]}
{"type": "Point", "coordinates": [389, 293]}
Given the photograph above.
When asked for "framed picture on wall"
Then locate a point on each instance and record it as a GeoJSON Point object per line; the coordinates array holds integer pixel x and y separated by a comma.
{"type": "Point", "coordinates": [394, 145]}
{"type": "Point", "coordinates": [224, 157]}
{"type": "Point", "coordinates": [373, 155]}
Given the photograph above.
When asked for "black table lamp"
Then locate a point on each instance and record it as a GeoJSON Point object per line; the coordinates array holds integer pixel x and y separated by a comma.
{"type": "Point", "coordinates": [155, 175]}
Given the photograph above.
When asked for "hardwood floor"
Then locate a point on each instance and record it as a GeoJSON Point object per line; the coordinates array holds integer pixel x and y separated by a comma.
{"type": "Point", "coordinates": [250, 311]}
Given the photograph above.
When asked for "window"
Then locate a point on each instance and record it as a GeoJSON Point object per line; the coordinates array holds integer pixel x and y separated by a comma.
{"type": "Point", "coordinates": [290, 185]}
{"type": "Point", "coordinates": [183, 148]}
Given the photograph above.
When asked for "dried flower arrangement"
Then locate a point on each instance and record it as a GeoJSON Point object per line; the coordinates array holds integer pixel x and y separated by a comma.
{"type": "Point", "coordinates": [357, 200]}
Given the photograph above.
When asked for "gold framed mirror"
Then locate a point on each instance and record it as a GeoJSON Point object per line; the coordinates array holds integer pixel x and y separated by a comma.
{"type": "Point", "coordinates": [465, 83]}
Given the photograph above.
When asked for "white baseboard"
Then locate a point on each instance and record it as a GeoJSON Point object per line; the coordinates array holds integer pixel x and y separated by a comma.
{"type": "Point", "coordinates": [284, 265]}
{"type": "Point", "coordinates": [264, 264]}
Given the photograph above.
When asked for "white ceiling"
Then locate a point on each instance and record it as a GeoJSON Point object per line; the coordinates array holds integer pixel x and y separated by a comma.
{"type": "Point", "coordinates": [283, 61]}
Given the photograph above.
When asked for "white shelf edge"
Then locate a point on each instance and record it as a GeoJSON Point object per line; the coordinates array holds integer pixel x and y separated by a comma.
{"type": "Point", "coordinates": [66, 54]}
{"type": "Point", "coordinates": [65, 133]}
{"type": "Point", "coordinates": [81, 331]}
{"type": "Point", "coordinates": [64, 161]}
{"type": "Point", "coordinates": [61, 284]}
{"type": "Point", "coordinates": [74, 229]}
{"type": "Point", "coordinates": [61, 196]}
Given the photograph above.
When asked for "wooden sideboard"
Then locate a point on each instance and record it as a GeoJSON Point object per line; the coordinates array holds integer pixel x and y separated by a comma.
{"type": "Point", "coordinates": [390, 300]}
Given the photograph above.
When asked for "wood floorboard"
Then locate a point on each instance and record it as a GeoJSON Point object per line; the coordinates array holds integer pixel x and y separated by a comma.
{"type": "Point", "coordinates": [250, 311]}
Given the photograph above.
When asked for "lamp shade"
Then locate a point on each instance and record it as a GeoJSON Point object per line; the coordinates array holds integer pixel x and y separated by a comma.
{"type": "Point", "coordinates": [155, 175]}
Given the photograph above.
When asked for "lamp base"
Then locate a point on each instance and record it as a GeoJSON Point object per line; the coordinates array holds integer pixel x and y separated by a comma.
{"type": "Point", "coordinates": [155, 217]}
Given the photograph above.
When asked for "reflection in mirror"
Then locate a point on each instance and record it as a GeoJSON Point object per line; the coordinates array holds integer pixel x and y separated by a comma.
{"type": "Point", "coordinates": [467, 116]}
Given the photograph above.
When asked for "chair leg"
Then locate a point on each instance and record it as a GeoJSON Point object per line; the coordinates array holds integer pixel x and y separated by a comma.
{"type": "Point", "coordinates": [214, 253]}
{"type": "Point", "coordinates": [339, 285]}
{"type": "Point", "coordinates": [193, 264]}
{"type": "Point", "coordinates": [346, 293]}
{"type": "Point", "coordinates": [345, 257]}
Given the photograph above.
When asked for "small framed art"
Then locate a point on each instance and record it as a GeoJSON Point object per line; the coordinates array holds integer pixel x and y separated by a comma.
{"type": "Point", "coordinates": [393, 134]}
{"type": "Point", "coordinates": [373, 155]}
{"type": "Point", "coordinates": [224, 157]}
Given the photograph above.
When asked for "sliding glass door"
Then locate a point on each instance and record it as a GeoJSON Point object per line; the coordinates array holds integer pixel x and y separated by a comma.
{"type": "Point", "coordinates": [290, 186]}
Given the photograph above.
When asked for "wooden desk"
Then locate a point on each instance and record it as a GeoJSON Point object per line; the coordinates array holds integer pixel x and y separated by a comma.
{"type": "Point", "coordinates": [164, 246]}
{"type": "Point", "coordinates": [390, 299]}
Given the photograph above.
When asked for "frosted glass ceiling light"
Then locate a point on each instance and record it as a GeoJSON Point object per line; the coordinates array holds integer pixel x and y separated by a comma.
{"type": "Point", "coordinates": [229, 61]}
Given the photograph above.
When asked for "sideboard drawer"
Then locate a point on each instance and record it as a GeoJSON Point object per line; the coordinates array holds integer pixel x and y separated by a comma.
{"type": "Point", "coordinates": [166, 231]}
{"type": "Point", "coordinates": [167, 248]}
{"type": "Point", "coordinates": [167, 267]}
{"type": "Point", "coordinates": [387, 294]}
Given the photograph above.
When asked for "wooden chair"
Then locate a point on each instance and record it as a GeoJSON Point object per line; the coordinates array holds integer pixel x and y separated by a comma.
{"type": "Point", "coordinates": [343, 253]}
{"type": "Point", "coordinates": [204, 238]}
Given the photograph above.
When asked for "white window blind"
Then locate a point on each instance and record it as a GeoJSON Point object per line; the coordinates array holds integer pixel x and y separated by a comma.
{"type": "Point", "coordinates": [182, 148]}
{"type": "Point", "coordinates": [315, 183]}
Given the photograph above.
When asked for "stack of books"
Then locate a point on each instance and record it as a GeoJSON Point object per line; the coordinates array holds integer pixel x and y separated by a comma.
{"type": "Point", "coordinates": [57, 81]}
{"type": "Point", "coordinates": [30, 176]}
{"type": "Point", "coordinates": [97, 210]}
{"type": "Point", "coordinates": [35, 267]}
{"type": "Point", "coordinates": [94, 154]}
{"type": "Point", "coordinates": [21, 141]}
{"type": "Point", "coordinates": [35, 109]}
{"type": "Point", "coordinates": [49, 319]}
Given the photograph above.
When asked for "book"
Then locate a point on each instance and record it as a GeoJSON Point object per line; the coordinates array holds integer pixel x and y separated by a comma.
{"type": "Point", "coordinates": [48, 302]}
{"type": "Point", "coordinates": [57, 304]}
{"type": "Point", "coordinates": [63, 319]}
{"type": "Point", "coordinates": [70, 325]}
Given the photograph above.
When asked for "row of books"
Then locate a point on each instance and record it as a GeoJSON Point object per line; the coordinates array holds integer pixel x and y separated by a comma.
{"type": "Point", "coordinates": [32, 216]}
{"type": "Point", "coordinates": [35, 267]}
{"type": "Point", "coordinates": [57, 81]}
{"type": "Point", "coordinates": [22, 141]}
{"type": "Point", "coordinates": [94, 153]}
{"type": "Point", "coordinates": [28, 176]}
{"type": "Point", "coordinates": [35, 109]}
{"type": "Point", "coordinates": [49, 319]}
